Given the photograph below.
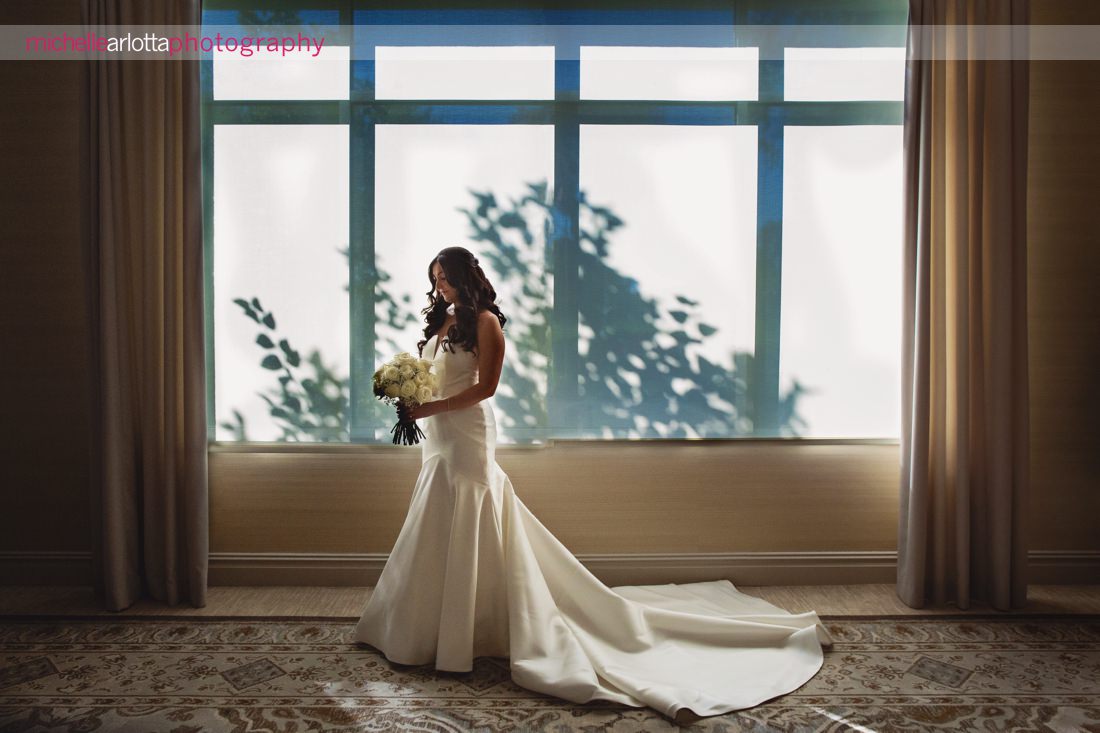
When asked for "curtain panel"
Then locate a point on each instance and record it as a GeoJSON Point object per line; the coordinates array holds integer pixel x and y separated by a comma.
{"type": "Point", "coordinates": [144, 249]}
{"type": "Point", "coordinates": [964, 445]}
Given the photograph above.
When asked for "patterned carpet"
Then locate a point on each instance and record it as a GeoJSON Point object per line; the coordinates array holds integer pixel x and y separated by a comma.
{"type": "Point", "coordinates": [199, 674]}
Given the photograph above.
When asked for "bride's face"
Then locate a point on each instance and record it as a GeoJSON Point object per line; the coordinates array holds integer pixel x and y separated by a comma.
{"type": "Point", "coordinates": [441, 285]}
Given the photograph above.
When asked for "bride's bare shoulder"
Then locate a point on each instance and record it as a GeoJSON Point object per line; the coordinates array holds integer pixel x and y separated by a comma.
{"type": "Point", "coordinates": [486, 319]}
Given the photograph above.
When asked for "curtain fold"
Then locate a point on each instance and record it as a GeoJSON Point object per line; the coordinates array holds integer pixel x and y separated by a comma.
{"type": "Point", "coordinates": [964, 446]}
{"type": "Point", "coordinates": [144, 264]}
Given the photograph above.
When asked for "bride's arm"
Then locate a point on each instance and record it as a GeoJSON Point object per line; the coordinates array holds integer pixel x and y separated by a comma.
{"type": "Point", "coordinates": [490, 360]}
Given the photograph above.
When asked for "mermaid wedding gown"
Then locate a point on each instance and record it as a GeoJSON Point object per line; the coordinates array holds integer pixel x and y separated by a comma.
{"type": "Point", "coordinates": [474, 573]}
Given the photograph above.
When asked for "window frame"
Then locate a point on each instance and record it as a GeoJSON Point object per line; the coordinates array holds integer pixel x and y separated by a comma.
{"type": "Point", "coordinates": [770, 113]}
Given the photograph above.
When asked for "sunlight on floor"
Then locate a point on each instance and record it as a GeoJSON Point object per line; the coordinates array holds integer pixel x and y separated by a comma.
{"type": "Point", "coordinates": [840, 719]}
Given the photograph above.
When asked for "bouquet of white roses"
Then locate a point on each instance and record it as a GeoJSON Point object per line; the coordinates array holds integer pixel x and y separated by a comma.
{"type": "Point", "coordinates": [405, 380]}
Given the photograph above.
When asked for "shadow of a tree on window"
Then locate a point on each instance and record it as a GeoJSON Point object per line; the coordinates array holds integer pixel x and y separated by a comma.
{"type": "Point", "coordinates": [313, 406]}
{"type": "Point", "coordinates": [639, 375]}
{"type": "Point", "coordinates": [644, 369]}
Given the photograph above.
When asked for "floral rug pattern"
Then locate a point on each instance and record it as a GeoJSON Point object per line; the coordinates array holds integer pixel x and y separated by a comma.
{"type": "Point", "coordinates": [192, 674]}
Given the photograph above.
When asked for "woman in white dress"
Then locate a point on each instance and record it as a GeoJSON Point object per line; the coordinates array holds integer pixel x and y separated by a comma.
{"type": "Point", "coordinates": [474, 573]}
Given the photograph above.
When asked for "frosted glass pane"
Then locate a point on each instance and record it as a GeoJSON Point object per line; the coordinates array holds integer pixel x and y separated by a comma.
{"type": "Point", "coordinates": [464, 72]}
{"type": "Point", "coordinates": [842, 242]}
{"type": "Point", "coordinates": [280, 220]}
{"type": "Point", "coordinates": [429, 179]}
{"type": "Point", "coordinates": [686, 197]}
{"type": "Point", "coordinates": [270, 75]}
{"type": "Point", "coordinates": [699, 74]}
{"type": "Point", "coordinates": [839, 74]}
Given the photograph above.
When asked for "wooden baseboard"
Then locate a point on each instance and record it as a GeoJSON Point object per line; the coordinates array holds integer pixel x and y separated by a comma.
{"type": "Point", "coordinates": [1063, 567]}
{"type": "Point", "coordinates": [766, 568]}
{"type": "Point", "coordinates": [1047, 567]}
{"type": "Point", "coordinates": [45, 567]}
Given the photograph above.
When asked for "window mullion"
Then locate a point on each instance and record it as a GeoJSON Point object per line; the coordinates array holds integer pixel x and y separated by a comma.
{"type": "Point", "coordinates": [563, 402]}
{"type": "Point", "coordinates": [362, 272]}
{"type": "Point", "coordinates": [769, 245]}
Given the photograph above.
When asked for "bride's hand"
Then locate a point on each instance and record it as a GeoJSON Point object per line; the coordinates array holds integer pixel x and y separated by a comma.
{"type": "Point", "coordinates": [407, 413]}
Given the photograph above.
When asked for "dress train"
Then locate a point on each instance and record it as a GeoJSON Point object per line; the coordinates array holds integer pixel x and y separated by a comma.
{"type": "Point", "coordinates": [475, 573]}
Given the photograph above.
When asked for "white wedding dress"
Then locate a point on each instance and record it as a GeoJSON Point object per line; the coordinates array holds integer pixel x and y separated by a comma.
{"type": "Point", "coordinates": [474, 573]}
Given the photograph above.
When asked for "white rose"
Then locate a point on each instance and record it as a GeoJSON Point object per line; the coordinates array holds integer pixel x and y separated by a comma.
{"type": "Point", "coordinates": [423, 394]}
{"type": "Point", "coordinates": [408, 389]}
{"type": "Point", "coordinates": [425, 364]}
{"type": "Point", "coordinates": [390, 374]}
{"type": "Point", "coordinates": [391, 390]}
{"type": "Point", "coordinates": [421, 379]}
{"type": "Point", "coordinates": [407, 371]}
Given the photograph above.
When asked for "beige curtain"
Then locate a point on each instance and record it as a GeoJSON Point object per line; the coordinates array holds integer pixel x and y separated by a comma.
{"type": "Point", "coordinates": [145, 280]}
{"type": "Point", "coordinates": [964, 447]}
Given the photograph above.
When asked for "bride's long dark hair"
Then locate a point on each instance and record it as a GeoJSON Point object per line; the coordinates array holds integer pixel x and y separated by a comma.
{"type": "Point", "coordinates": [474, 293]}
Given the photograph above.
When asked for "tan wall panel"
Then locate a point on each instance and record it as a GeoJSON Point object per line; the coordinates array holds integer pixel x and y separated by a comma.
{"type": "Point", "coordinates": [44, 459]}
{"type": "Point", "coordinates": [1063, 307]}
{"type": "Point", "coordinates": [638, 497]}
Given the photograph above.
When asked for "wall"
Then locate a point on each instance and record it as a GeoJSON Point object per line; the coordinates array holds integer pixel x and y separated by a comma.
{"type": "Point", "coordinates": [1063, 307]}
{"type": "Point", "coordinates": [818, 505]}
{"type": "Point", "coordinates": [44, 444]}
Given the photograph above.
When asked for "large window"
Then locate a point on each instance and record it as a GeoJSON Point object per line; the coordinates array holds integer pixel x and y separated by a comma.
{"type": "Point", "coordinates": [692, 216]}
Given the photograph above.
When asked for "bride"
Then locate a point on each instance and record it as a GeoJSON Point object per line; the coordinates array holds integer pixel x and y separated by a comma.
{"type": "Point", "coordinates": [474, 573]}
